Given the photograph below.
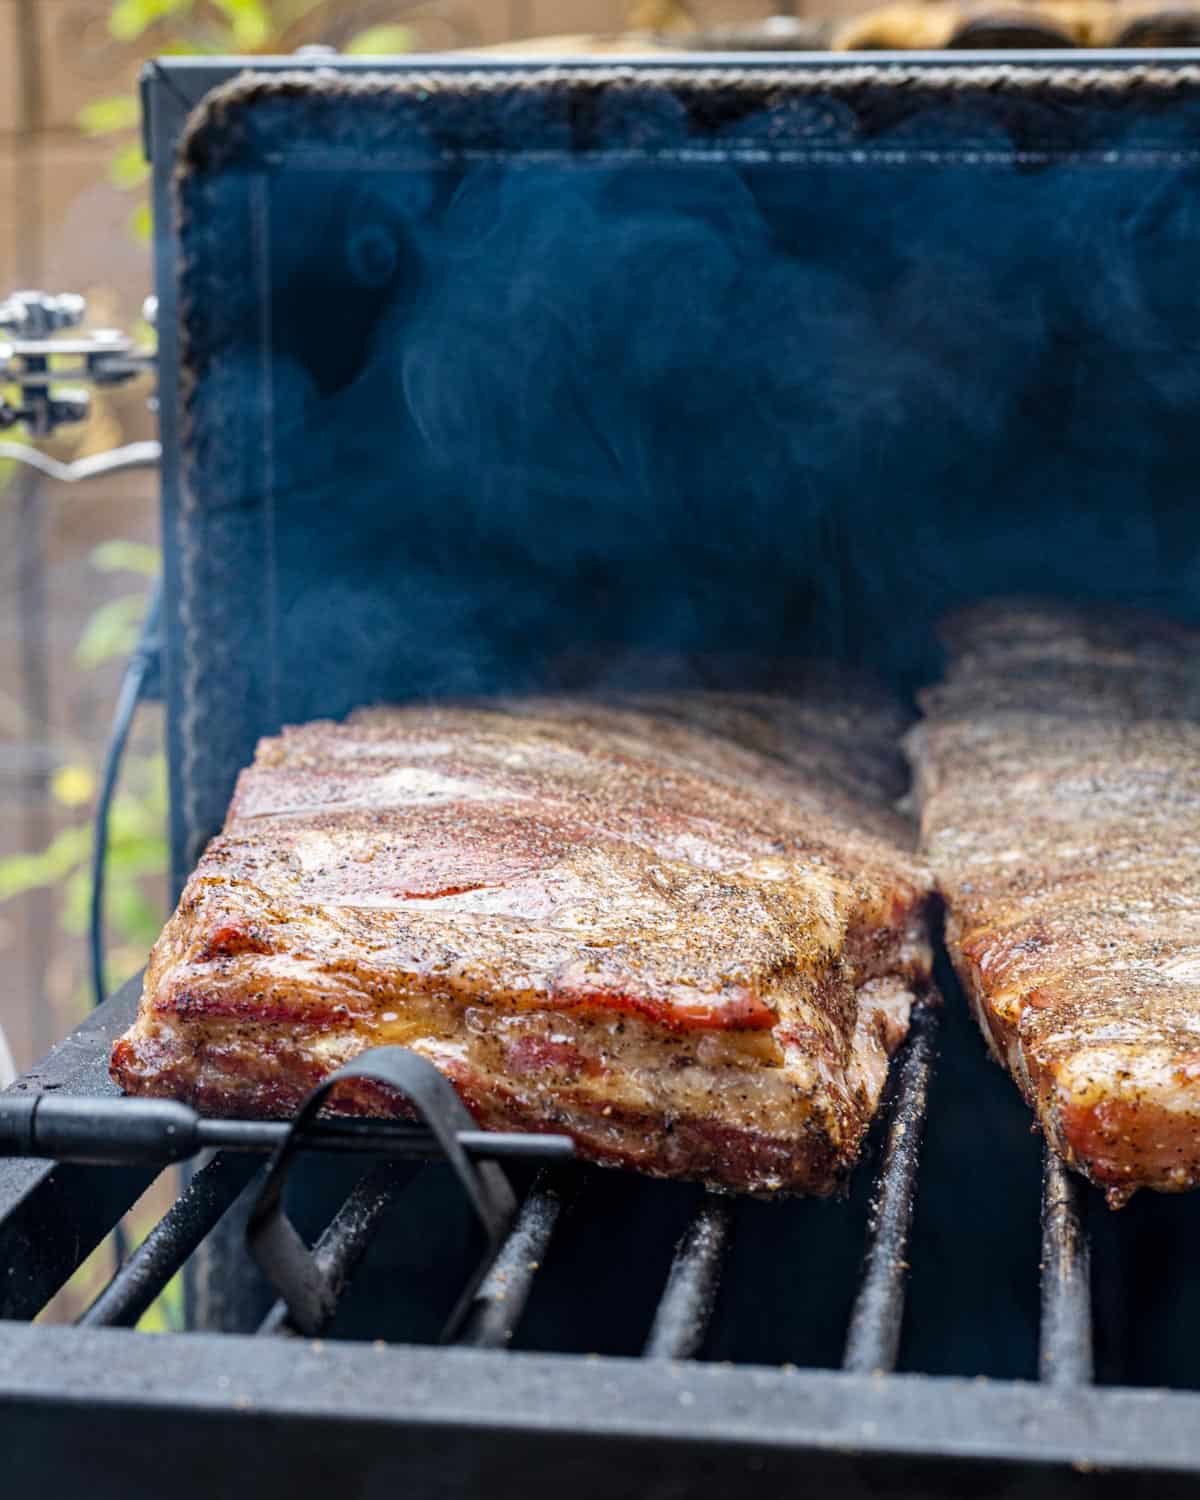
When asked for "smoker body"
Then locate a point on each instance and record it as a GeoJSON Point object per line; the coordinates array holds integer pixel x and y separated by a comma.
{"type": "Point", "coordinates": [477, 379]}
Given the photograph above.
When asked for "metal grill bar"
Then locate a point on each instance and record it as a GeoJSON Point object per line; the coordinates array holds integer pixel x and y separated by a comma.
{"type": "Point", "coordinates": [685, 1308]}
{"type": "Point", "coordinates": [170, 1242]}
{"type": "Point", "coordinates": [501, 1298]}
{"type": "Point", "coordinates": [1065, 1343]}
{"type": "Point", "coordinates": [348, 1234]}
{"type": "Point", "coordinates": [874, 1336]}
{"type": "Point", "coordinates": [52, 1215]}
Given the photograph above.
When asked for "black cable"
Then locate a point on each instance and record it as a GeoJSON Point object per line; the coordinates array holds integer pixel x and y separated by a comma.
{"type": "Point", "coordinates": [141, 675]}
{"type": "Point", "coordinates": [139, 671]}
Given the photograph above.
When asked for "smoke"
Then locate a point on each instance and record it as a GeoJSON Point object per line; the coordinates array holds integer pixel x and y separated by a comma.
{"type": "Point", "coordinates": [528, 406]}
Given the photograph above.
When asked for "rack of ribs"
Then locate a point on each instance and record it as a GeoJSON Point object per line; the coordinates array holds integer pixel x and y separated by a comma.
{"type": "Point", "coordinates": [686, 929]}
{"type": "Point", "coordinates": [1058, 779]}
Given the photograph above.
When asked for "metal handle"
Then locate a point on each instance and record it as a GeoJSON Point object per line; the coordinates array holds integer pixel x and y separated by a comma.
{"type": "Point", "coordinates": [287, 1261]}
{"type": "Point", "coordinates": [129, 1132]}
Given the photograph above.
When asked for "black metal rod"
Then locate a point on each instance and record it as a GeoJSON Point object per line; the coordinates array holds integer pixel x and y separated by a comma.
{"type": "Point", "coordinates": [122, 1131]}
{"type": "Point", "coordinates": [497, 1306]}
{"type": "Point", "coordinates": [874, 1335]}
{"type": "Point", "coordinates": [1065, 1343]}
{"type": "Point", "coordinates": [685, 1307]}
{"type": "Point", "coordinates": [372, 1137]}
{"type": "Point", "coordinates": [137, 671]}
{"type": "Point", "coordinates": [347, 1236]}
{"type": "Point", "coordinates": [170, 1242]}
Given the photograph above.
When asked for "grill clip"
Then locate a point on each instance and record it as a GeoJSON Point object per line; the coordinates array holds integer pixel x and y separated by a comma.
{"type": "Point", "coordinates": [286, 1260]}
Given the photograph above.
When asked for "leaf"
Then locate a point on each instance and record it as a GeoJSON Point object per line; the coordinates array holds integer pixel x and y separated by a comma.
{"type": "Point", "coordinates": [381, 41]}
{"type": "Point", "coordinates": [128, 168]}
{"type": "Point", "coordinates": [107, 116]}
{"type": "Point", "coordinates": [133, 819]}
{"type": "Point", "coordinates": [128, 19]}
{"type": "Point", "coordinates": [73, 786]}
{"type": "Point", "coordinates": [75, 912]}
{"type": "Point", "coordinates": [112, 631]}
{"type": "Point", "coordinates": [121, 556]}
{"type": "Point", "coordinates": [138, 856]}
{"type": "Point", "coordinates": [249, 21]}
{"type": "Point", "coordinates": [61, 856]}
{"type": "Point", "coordinates": [141, 224]}
{"type": "Point", "coordinates": [138, 919]}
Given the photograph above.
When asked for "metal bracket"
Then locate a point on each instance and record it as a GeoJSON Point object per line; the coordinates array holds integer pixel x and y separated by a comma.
{"type": "Point", "coordinates": [36, 331]}
{"type": "Point", "coordinates": [286, 1260]}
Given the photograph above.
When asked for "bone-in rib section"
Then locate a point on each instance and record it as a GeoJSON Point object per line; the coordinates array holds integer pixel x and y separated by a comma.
{"type": "Point", "coordinates": [1058, 777]}
{"type": "Point", "coordinates": [688, 930]}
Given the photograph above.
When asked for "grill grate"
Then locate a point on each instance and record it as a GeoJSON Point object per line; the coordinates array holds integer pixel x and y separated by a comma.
{"type": "Point", "coordinates": [1065, 1345]}
{"type": "Point", "coordinates": [875, 1323]}
{"type": "Point", "coordinates": [682, 1317]}
{"type": "Point", "coordinates": [680, 1323]}
{"type": "Point", "coordinates": [176, 1235]}
{"type": "Point", "coordinates": [683, 1313]}
{"type": "Point", "coordinates": [500, 1300]}
{"type": "Point", "coordinates": [345, 1241]}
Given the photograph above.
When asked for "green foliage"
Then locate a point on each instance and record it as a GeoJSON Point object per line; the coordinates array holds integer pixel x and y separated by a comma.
{"type": "Point", "coordinates": [165, 1313]}
{"type": "Point", "coordinates": [186, 27]}
{"type": "Point", "coordinates": [129, 19]}
{"type": "Point", "coordinates": [250, 23]}
{"type": "Point", "coordinates": [107, 116]}
{"type": "Point", "coordinates": [112, 631]}
{"type": "Point", "coordinates": [128, 167]}
{"type": "Point", "coordinates": [137, 850]}
{"type": "Point", "coordinates": [54, 864]}
{"type": "Point", "coordinates": [381, 41]}
{"type": "Point", "coordinates": [141, 224]}
{"type": "Point", "coordinates": [117, 556]}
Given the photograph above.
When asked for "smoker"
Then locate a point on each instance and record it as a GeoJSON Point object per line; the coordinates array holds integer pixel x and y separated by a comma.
{"type": "Point", "coordinates": [477, 379]}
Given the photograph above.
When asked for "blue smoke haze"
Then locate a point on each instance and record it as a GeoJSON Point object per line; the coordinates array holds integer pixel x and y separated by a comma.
{"type": "Point", "coordinates": [692, 407]}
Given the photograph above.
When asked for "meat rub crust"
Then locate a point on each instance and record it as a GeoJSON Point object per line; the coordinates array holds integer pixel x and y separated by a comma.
{"type": "Point", "coordinates": [687, 930]}
{"type": "Point", "coordinates": [1058, 775]}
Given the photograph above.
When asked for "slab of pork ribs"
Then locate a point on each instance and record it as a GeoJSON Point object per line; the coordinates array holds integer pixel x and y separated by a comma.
{"type": "Point", "coordinates": [1058, 775]}
{"type": "Point", "coordinates": [687, 929]}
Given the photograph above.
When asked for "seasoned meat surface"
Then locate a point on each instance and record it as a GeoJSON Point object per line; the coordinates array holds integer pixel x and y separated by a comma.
{"type": "Point", "coordinates": [685, 929]}
{"type": "Point", "coordinates": [1058, 776]}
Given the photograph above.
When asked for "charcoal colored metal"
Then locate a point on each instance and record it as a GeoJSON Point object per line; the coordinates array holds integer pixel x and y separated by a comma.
{"type": "Point", "coordinates": [160, 1131]}
{"type": "Point", "coordinates": [162, 1253]}
{"type": "Point", "coordinates": [53, 1215]}
{"type": "Point", "coordinates": [685, 1308]}
{"type": "Point", "coordinates": [1065, 1342]}
{"type": "Point", "coordinates": [239, 1416]}
{"type": "Point", "coordinates": [497, 1305]}
{"type": "Point", "coordinates": [344, 1243]}
{"type": "Point", "coordinates": [878, 1314]}
{"type": "Point", "coordinates": [308, 1290]}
